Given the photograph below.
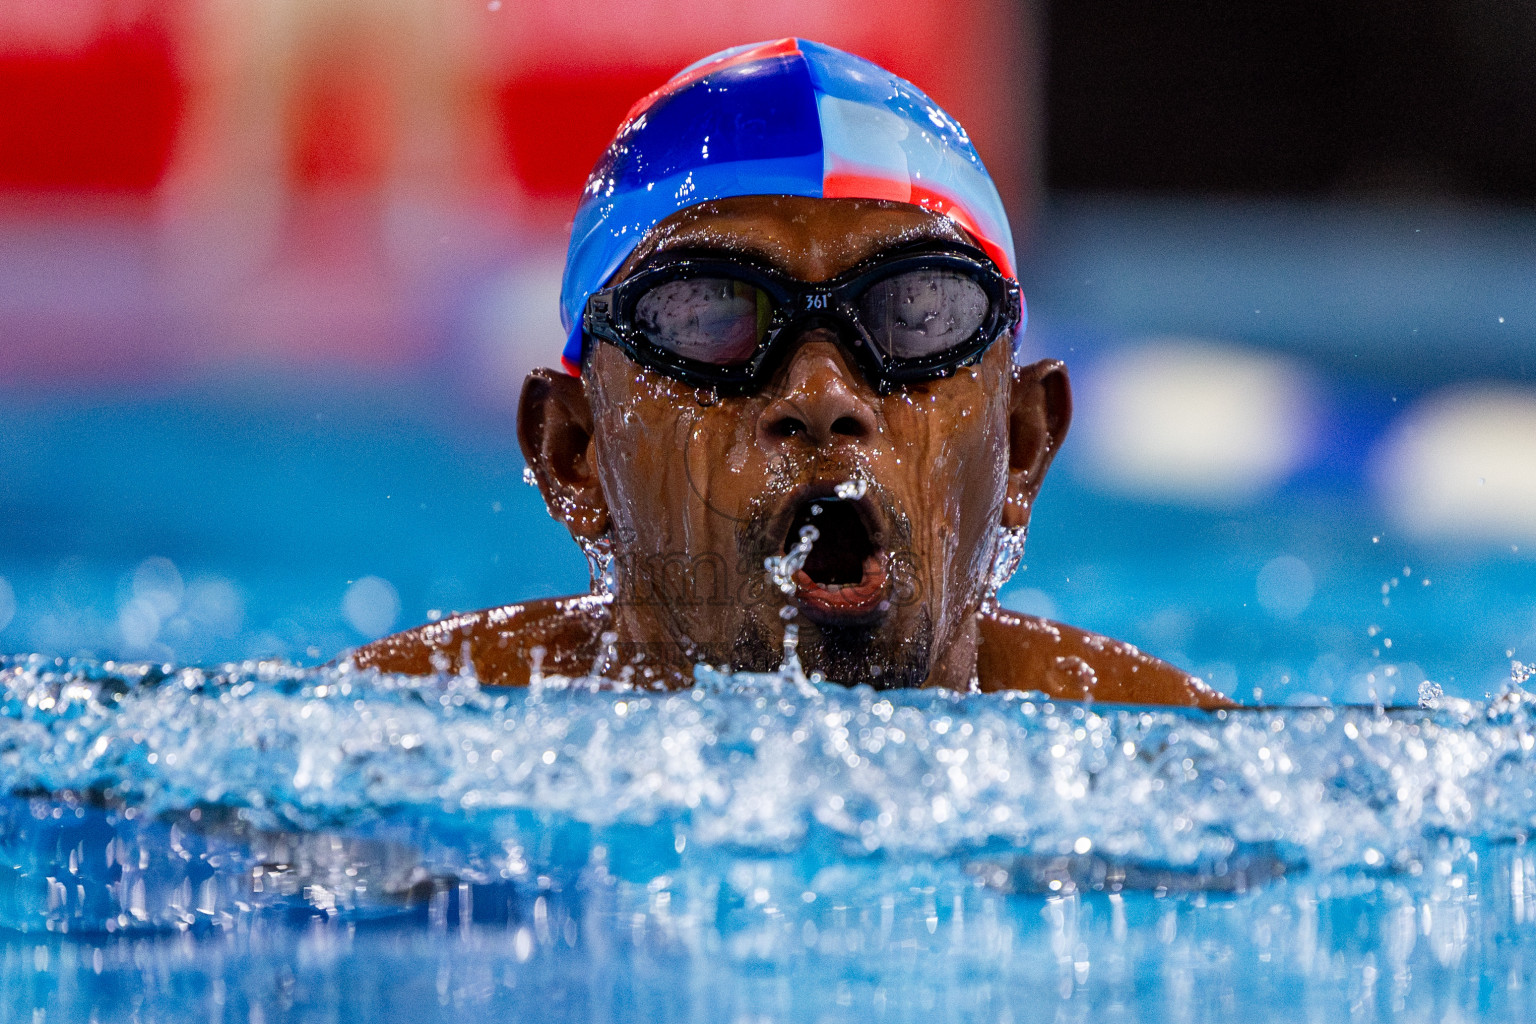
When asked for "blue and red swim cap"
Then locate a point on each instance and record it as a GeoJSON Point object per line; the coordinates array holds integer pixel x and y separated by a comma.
{"type": "Point", "coordinates": [787, 117]}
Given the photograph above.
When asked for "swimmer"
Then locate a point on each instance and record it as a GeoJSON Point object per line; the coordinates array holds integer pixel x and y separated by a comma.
{"type": "Point", "coordinates": [790, 404]}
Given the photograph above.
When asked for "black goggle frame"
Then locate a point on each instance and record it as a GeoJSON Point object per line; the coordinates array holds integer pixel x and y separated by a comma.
{"type": "Point", "coordinates": [610, 315]}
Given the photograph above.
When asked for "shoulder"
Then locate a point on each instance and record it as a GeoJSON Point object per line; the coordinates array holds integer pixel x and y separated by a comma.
{"type": "Point", "coordinates": [503, 644]}
{"type": "Point", "coordinates": [562, 635]}
{"type": "Point", "coordinates": [1024, 652]}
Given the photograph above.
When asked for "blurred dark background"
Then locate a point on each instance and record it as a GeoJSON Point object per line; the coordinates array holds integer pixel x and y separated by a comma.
{"type": "Point", "coordinates": [1387, 98]}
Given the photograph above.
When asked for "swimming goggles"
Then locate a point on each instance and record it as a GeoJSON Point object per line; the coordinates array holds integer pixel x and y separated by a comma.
{"type": "Point", "coordinates": [725, 323]}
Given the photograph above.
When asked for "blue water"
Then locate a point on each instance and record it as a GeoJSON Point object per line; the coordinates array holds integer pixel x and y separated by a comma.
{"type": "Point", "coordinates": [274, 843]}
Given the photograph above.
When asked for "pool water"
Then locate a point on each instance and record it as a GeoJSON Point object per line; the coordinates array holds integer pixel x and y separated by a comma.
{"type": "Point", "coordinates": [270, 842]}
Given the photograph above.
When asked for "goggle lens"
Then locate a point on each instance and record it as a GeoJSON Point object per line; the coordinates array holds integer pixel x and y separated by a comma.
{"type": "Point", "coordinates": [715, 320]}
{"type": "Point", "coordinates": [923, 313]}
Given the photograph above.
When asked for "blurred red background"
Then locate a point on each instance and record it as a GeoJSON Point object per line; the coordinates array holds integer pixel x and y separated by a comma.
{"type": "Point", "coordinates": [190, 183]}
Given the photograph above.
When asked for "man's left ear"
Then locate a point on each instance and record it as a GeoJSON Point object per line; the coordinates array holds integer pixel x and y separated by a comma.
{"type": "Point", "coordinates": [1039, 412]}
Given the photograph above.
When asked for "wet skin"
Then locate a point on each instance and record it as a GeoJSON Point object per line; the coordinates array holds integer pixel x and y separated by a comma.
{"type": "Point", "coordinates": [694, 490]}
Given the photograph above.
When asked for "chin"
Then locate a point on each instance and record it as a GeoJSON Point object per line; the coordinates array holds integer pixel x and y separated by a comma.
{"type": "Point", "coordinates": [893, 652]}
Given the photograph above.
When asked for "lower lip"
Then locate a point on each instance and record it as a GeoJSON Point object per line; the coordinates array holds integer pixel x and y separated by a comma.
{"type": "Point", "coordinates": [851, 601]}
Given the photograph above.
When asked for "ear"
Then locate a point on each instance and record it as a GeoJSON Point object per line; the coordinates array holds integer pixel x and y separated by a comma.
{"type": "Point", "coordinates": [554, 428]}
{"type": "Point", "coordinates": [1039, 412]}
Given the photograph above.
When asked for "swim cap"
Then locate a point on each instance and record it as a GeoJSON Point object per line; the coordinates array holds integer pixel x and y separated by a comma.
{"type": "Point", "coordinates": [787, 117]}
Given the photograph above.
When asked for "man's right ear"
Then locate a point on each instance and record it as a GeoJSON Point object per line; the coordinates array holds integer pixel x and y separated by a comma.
{"type": "Point", "coordinates": [554, 428]}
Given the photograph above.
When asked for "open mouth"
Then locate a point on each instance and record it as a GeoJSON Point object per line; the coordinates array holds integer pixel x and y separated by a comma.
{"type": "Point", "coordinates": [844, 578]}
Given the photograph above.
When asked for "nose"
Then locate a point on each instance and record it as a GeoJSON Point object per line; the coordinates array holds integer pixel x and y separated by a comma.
{"type": "Point", "coordinates": [823, 401]}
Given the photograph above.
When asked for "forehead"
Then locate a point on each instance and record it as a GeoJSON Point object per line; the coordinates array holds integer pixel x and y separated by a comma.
{"type": "Point", "coordinates": [812, 239]}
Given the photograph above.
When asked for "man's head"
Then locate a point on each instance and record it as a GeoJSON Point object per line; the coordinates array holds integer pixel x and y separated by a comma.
{"type": "Point", "coordinates": [906, 479]}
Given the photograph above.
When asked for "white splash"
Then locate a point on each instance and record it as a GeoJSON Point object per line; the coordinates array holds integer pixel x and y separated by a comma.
{"type": "Point", "coordinates": [781, 570]}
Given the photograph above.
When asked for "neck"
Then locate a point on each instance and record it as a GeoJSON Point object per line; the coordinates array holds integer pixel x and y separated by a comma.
{"type": "Point", "coordinates": [658, 648]}
{"type": "Point", "coordinates": [955, 668]}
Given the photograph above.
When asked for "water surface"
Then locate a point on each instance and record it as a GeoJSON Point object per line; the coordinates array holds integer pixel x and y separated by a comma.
{"type": "Point", "coordinates": [266, 841]}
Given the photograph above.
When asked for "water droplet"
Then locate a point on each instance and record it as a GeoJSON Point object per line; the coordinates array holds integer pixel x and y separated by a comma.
{"type": "Point", "coordinates": [608, 656]}
{"type": "Point", "coordinates": [782, 568]}
{"type": "Point", "coordinates": [852, 490]}
{"type": "Point", "coordinates": [599, 552]}
{"type": "Point", "coordinates": [1007, 553]}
